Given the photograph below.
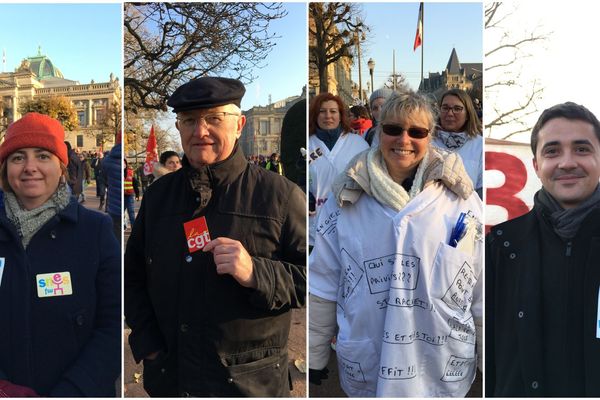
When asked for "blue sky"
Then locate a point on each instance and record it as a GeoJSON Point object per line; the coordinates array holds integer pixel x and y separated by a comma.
{"type": "Point", "coordinates": [286, 70]}
{"type": "Point", "coordinates": [393, 27]}
{"type": "Point", "coordinates": [83, 40]}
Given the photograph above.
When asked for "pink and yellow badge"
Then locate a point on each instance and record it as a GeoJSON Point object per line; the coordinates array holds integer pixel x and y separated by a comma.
{"type": "Point", "coordinates": [196, 234]}
{"type": "Point", "coordinates": [54, 284]}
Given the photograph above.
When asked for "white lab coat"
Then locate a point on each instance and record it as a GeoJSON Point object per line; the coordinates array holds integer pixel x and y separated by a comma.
{"type": "Point", "coordinates": [323, 169]}
{"type": "Point", "coordinates": [472, 156]}
{"type": "Point", "coordinates": [406, 300]}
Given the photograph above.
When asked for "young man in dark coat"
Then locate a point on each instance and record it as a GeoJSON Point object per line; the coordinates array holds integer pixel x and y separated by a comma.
{"type": "Point", "coordinates": [543, 270]}
{"type": "Point", "coordinates": [215, 261]}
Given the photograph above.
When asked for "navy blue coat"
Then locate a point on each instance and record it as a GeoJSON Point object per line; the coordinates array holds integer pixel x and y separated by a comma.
{"type": "Point", "coordinates": [113, 169]}
{"type": "Point", "coordinates": [63, 346]}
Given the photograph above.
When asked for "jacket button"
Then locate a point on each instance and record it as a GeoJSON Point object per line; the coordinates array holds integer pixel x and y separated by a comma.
{"type": "Point", "coordinates": [506, 244]}
{"type": "Point", "coordinates": [499, 232]}
{"type": "Point", "coordinates": [535, 385]}
{"type": "Point", "coordinates": [277, 366]}
{"type": "Point", "coordinates": [162, 370]}
{"type": "Point", "coordinates": [53, 235]}
{"type": "Point", "coordinates": [80, 320]}
{"type": "Point", "coordinates": [197, 199]}
{"type": "Point", "coordinates": [149, 260]}
{"type": "Point", "coordinates": [512, 256]}
{"type": "Point", "coordinates": [188, 258]}
{"type": "Point", "coordinates": [185, 394]}
{"type": "Point", "coordinates": [229, 380]}
{"type": "Point", "coordinates": [183, 328]}
{"type": "Point", "coordinates": [521, 314]}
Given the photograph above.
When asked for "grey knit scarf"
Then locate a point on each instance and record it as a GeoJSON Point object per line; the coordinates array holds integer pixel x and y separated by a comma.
{"type": "Point", "coordinates": [28, 222]}
{"type": "Point", "coordinates": [566, 222]}
{"type": "Point", "coordinates": [452, 140]}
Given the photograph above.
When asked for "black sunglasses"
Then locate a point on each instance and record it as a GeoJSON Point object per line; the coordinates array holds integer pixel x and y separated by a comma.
{"type": "Point", "coordinates": [397, 130]}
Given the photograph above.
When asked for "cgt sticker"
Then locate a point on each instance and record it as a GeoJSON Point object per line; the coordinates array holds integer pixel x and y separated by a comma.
{"type": "Point", "coordinates": [54, 284]}
{"type": "Point", "coordinates": [196, 234]}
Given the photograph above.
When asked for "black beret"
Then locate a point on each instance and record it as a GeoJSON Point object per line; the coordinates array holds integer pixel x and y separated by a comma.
{"type": "Point", "coordinates": [207, 92]}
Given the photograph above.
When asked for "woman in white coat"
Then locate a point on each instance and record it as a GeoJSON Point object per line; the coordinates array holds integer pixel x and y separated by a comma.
{"type": "Point", "coordinates": [460, 131]}
{"type": "Point", "coordinates": [331, 145]}
{"type": "Point", "coordinates": [397, 259]}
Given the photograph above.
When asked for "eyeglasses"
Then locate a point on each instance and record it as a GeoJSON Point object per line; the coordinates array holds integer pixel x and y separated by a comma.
{"type": "Point", "coordinates": [455, 109]}
{"type": "Point", "coordinates": [397, 130]}
{"type": "Point", "coordinates": [189, 124]}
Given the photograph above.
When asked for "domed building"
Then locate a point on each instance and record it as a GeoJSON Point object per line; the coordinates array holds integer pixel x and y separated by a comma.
{"type": "Point", "coordinates": [38, 76]}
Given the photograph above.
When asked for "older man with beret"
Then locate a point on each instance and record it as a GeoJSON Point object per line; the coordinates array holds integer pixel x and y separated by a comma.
{"type": "Point", "coordinates": [215, 261]}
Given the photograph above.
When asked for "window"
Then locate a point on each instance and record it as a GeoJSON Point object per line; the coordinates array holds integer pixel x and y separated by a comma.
{"type": "Point", "coordinates": [79, 140]}
{"type": "Point", "coordinates": [264, 127]}
{"type": "Point", "coordinates": [99, 141]}
{"type": "Point", "coordinates": [81, 118]}
{"type": "Point", "coordinates": [100, 116]}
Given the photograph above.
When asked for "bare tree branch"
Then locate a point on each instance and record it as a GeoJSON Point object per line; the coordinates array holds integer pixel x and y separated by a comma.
{"type": "Point", "coordinates": [167, 44]}
{"type": "Point", "coordinates": [332, 31]}
{"type": "Point", "coordinates": [505, 59]}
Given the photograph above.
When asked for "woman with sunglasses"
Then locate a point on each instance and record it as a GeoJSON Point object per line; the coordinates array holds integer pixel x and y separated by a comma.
{"type": "Point", "coordinates": [460, 131]}
{"type": "Point", "coordinates": [331, 145]}
{"type": "Point", "coordinates": [397, 257]}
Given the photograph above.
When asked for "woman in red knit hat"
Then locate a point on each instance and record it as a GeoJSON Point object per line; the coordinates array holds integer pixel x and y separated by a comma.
{"type": "Point", "coordinates": [59, 274]}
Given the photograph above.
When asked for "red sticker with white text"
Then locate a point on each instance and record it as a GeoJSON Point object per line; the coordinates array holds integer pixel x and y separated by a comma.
{"type": "Point", "coordinates": [196, 234]}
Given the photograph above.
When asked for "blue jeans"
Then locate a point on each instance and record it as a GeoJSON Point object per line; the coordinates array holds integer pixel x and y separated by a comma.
{"type": "Point", "coordinates": [129, 199]}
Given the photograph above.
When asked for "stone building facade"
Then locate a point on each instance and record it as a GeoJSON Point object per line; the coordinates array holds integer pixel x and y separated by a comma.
{"type": "Point", "coordinates": [38, 77]}
{"type": "Point", "coordinates": [262, 132]}
{"type": "Point", "coordinates": [465, 76]}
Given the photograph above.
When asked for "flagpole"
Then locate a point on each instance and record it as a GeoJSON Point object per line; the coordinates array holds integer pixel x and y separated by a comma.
{"type": "Point", "coordinates": [422, 40]}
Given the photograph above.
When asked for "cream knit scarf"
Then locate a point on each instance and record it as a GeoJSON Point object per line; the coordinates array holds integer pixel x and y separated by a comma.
{"type": "Point", "coordinates": [28, 222]}
{"type": "Point", "coordinates": [367, 173]}
{"type": "Point", "coordinates": [384, 188]}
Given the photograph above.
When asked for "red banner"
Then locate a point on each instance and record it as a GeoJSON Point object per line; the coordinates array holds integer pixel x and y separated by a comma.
{"type": "Point", "coordinates": [151, 153]}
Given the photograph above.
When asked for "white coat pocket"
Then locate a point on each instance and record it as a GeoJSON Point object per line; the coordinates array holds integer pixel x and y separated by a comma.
{"type": "Point", "coordinates": [358, 362]}
{"type": "Point", "coordinates": [453, 281]}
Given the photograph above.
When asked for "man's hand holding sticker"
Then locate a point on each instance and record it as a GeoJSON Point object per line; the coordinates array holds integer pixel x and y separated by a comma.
{"type": "Point", "coordinates": [233, 259]}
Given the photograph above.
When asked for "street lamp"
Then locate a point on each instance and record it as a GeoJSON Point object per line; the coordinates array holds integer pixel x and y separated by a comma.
{"type": "Point", "coordinates": [371, 64]}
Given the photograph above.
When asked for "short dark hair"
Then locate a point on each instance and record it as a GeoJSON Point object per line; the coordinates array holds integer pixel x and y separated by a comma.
{"type": "Point", "coordinates": [568, 110]}
{"type": "Point", "coordinates": [360, 112]}
{"type": "Point", "coordinates": [166, 155]}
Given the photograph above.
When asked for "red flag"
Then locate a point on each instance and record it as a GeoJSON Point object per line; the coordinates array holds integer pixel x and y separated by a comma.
{"type": "Point", "coordinates": [419, 35]}
{"type": "Point", "coordinates": [151, 153]}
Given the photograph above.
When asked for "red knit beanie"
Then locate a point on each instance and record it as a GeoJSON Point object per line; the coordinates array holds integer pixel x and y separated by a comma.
{"type": "Point", "coordinates": [35, 130]}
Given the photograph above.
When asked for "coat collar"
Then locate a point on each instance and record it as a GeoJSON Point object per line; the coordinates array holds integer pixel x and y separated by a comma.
{"type": "Point", "coordinates": [69, 213]}
{"type": "Point", "coordinates": [223, 172]}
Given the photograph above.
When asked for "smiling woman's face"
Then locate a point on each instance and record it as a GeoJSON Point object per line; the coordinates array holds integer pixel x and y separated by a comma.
{"type": "Point", "coordinates": [33, 174]}
{"type": "Point", "coordinates": [402, 154]}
